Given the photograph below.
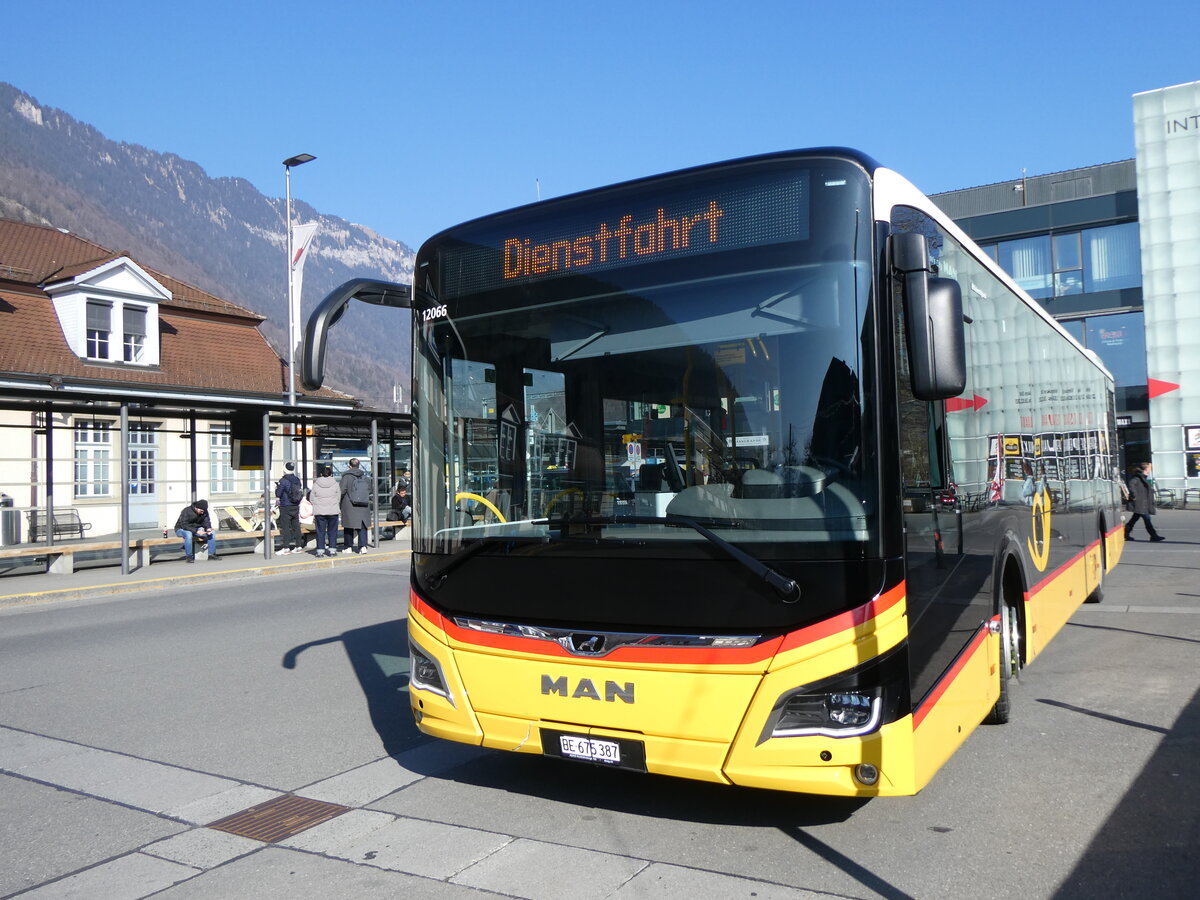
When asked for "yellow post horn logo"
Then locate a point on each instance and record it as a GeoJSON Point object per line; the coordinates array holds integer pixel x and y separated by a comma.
{"type": "Point", "coordinates": [1039, 543]}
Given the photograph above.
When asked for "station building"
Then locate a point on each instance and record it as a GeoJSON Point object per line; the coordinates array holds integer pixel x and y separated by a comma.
{"type": "Point", "coordinates": [1112, 251]}
{"type": "Point", "coordinates": [125, 394]}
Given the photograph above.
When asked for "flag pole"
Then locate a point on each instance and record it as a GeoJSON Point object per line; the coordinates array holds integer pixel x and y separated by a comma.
{"type": "Point", "coordinates": [297, 160]}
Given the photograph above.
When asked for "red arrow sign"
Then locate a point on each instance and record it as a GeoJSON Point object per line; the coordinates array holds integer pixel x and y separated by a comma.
{"type": "Point", "coordinates": [958, 404]}
{"type": "Point", "coordinates": [1158, 388]}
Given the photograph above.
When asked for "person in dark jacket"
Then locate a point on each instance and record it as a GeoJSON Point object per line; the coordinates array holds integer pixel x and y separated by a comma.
{"type": "Point", "coordinates": [356, 507]}
{"type": "Point", "coordinates": [193, 524]}
{"type": "Point", "coordinates": [1141, 500]}
{"type": "Point", "coordinates": [401, 505]}
{"type": "Point", "coordinates": [289, 511]}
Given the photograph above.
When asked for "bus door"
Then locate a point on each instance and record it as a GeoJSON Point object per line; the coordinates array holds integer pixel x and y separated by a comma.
{"type": "Point", "coordinates": [947, 568]}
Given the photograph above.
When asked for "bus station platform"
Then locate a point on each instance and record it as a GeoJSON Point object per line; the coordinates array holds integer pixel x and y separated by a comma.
{"type": "Point", "coordinates": [33, 584]}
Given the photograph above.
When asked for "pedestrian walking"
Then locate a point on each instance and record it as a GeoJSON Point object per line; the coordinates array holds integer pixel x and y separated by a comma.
{"type": "Point", "coordinates": [1141, 500]}
{"type": "Point", "coordinates": [326, 498]}
{"type": "Point", "coordinates": [289, 491]}
{"type": "Point", "coordinates": [195, 527]}
{"type": "Point", "coordinates": [356, 507]}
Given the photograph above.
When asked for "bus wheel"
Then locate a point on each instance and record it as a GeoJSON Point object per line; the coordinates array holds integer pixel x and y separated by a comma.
{"type": "Point", "coordinates": [1010, 662]}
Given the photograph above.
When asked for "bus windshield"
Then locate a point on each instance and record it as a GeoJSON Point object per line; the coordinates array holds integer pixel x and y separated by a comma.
{"type": "Point", "coordinates": [680, 349]}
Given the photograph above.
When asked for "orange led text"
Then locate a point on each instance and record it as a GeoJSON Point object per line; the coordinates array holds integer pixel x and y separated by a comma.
{"type": "Point", "coordinates": [661, 234]}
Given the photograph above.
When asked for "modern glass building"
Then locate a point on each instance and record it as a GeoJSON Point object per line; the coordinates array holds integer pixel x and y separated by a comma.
{"type": "Point", "coordinates": [1112, 251]}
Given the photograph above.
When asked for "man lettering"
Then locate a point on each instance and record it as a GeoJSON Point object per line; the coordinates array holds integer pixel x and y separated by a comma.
{"type": "Point", "coordinates": [585, 688]}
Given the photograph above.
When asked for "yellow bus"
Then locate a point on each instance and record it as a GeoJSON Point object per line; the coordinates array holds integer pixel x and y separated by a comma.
{"type": "Point", "coordinates": [758, 473]}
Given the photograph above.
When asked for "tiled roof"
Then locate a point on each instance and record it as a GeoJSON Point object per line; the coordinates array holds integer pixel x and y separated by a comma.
{"type": "Point", "coordinates": [38, 254]}
{"type": "Point", "coordinates": [207, 344]}
{"type": "Point", "coordinates": [197, 352]}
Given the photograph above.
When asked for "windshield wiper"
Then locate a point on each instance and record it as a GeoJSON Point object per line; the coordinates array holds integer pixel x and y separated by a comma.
{"type": "Point", "coordinates": [786, 587]}
{"type": "Point", "coordinates": [438, 576]}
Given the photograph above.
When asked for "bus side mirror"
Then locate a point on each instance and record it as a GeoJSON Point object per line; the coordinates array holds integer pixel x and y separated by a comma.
{"type": "Point", "coordinates": [329, 310]}
{"type": "Point", "coordinates": [933, 322]}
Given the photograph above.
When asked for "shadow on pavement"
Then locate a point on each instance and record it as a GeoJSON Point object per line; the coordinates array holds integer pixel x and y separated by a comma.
{"type": "Point", "coordinates": [379, 656]}
{"type": "Point", "coordinates": [1148, 846]}
{"type": "Point", "coordinates": [594, 786]}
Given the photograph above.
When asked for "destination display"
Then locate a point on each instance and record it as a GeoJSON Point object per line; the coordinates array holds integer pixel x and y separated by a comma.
{"type": "Point", "coordinates": [621, 228]}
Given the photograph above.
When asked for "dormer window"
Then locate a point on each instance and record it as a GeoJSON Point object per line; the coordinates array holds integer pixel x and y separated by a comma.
{"type": "Point", "coordinates": [109, 313]}
{"type": "Point", "coordinates": [99, 327]}
{"type": "Point", "coordinates": [135, 333]}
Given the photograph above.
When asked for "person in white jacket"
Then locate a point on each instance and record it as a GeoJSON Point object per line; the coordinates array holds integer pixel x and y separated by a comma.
{"type": "Point", "coordinates": [325, 496]}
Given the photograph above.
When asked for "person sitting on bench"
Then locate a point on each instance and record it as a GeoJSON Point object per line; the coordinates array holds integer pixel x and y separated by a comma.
{"type": "Point", "coordinates": [192, 525]}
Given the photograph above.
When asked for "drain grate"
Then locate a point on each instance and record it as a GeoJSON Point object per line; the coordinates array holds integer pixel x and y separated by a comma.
{"type": "Point", "coordinates": [279, 818]}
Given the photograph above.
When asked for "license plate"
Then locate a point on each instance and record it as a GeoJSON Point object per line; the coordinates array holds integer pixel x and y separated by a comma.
{"type": "Point", "coordinates": [622, 753]}
{"type": "Point", "coordinates": [590, 748]}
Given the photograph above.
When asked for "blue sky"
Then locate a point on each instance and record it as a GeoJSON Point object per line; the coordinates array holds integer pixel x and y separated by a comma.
{"type": "Point", "coordinates": [425, 114]}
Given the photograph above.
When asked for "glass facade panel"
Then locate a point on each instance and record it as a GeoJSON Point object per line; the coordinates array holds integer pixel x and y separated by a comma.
{"type": "Point", "coordinates": [1112, 257]}
{"type": "Point", "coordinates": [1120, 342]}
{"type": "Point", "coordinates": [1075, 328]}
{"type": "Point", "coordinates": [1168, 158]}
{"type": "Point", "coordinates": [1066, 252]}
{"type": "Point", "coordinates": [1028, 261]}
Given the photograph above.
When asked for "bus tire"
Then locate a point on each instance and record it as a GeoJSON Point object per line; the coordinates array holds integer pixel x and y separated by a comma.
{"type": "Point", "coordinates": [1010, 645]}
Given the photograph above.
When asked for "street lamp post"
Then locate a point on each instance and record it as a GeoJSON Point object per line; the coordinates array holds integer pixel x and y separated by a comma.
{"type": "Point", "coordinates": [297, 160]}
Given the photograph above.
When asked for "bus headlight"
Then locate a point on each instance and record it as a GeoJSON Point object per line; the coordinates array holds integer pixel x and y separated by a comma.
{"type": "Point", "coordinates": [834, 714]}
{"type": "Point", "coordinates": [424, 673]}
{"type": "Point", "coordinates": [849, 704]}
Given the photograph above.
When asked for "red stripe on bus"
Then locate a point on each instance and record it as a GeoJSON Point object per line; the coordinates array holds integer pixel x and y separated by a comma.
{"type": "Point", "coordinates": [688, 655]}
{"type": "Point", "coordinates": [1045, 582]}
{"type": "Point", "coordinates": [844, 621]}
{"type": "Point", "coordinates": [945, 681]}
{"type": "Point", "coordinates": [542, 647]}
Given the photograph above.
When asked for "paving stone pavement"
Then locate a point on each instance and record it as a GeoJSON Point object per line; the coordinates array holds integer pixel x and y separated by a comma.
{"type": "Point", "coordinates": [421, 857]}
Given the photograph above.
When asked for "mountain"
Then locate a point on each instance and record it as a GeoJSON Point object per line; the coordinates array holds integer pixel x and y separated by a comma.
{"type": "Point", "coordinates": [219, 234]}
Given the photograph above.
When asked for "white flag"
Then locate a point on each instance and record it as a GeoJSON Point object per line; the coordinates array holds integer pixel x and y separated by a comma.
{"type": "Point", "coordinates": [302, 236]}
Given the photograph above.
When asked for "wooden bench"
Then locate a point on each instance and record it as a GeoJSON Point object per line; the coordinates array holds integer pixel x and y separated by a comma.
{"type": "Point", "coordinates": [61, 557]}
{"type": "Point", "coordinates": [62, 522]}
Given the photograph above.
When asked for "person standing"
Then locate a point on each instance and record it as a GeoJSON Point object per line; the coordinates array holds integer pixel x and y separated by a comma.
{"type": "Point", "coordinates": [356, 507]}
{"type": "Point", "coordinates": [194, 525]}
{"type": "Point", "coordinates": [326, 497]}
{"type": "Point", "coordinates": [289, 491]}
{"type": "Point", "coordinates": [1141, 500]}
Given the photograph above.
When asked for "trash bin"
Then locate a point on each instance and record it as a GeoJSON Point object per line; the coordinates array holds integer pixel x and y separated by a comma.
{"type": "Point", "coordinates": [10, 522]}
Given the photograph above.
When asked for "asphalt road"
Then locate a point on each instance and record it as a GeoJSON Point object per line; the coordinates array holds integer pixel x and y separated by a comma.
{"type": "Point", "coordinates": [127, 724]}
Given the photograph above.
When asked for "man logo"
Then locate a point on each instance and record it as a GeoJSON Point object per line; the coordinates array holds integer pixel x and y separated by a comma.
{"type": "Point", "coordinates": [585, 688]}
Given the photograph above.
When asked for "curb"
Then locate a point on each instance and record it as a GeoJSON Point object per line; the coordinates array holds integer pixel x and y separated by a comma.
{"type": "Point", "coordinates": [31, 598]}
